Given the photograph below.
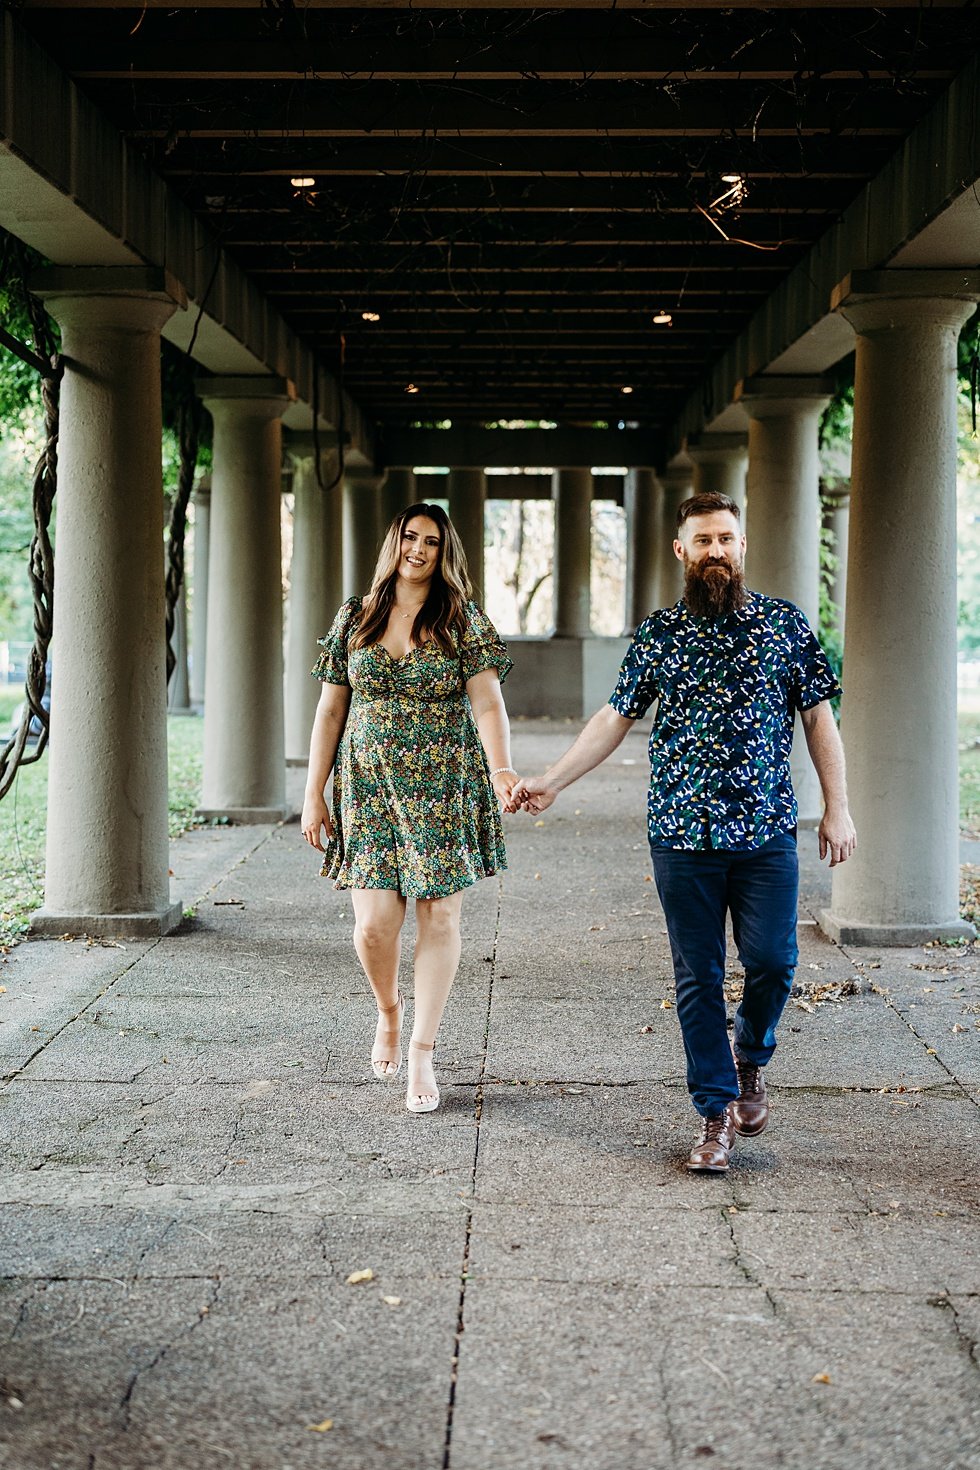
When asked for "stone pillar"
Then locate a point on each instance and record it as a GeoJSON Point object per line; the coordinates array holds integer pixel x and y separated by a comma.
{"type": "Point", "coordinates": [720, 462]}
{"type": "Point", "coordinates": [573, 553]}
{"type": "Point", "coordinates": [677, 483]}
{"type": "Point", "coordinates": [397, 492]}
{"type": "Point", "coordinates": [467, 498]}
{"type": "Point", "coordinates": [107, 844]}
{"type": "Point", "coordinates": [178, 691]}
{"type": "Point", "coordinates": [835, 518]}
{"type": "Point", "coordinates": [783, 528]}
{"type": "Point", "coordinates": [244, 757]}
{"type": "Point", "coordinates": [315, 585]}
{"type": "Point", "coordinates": [644, 521]}
{"type": "Point", "coordinates": [899, 710]}
{"type": "Point", "coordinates": [361, 529]}
{"type": "Point", "coordinates": [199, 615]}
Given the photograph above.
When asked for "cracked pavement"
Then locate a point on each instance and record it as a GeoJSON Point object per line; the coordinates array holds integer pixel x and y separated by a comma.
{"type": "Point", "coordinates": [195, 1159]}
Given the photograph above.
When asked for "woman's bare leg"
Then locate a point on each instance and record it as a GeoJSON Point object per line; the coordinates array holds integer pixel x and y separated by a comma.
{"type": "Point", "coordinates": [437, 949]}
{"type": "Point", "coordinates": [378, 917]}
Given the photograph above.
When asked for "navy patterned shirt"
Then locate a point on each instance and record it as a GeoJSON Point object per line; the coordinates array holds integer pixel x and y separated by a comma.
{"type": "Point", "coordinates": [728, 690]}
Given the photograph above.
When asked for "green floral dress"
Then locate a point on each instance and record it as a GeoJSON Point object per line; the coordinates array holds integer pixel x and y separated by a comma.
{"type": "Point", "coordinates": [413, 805]}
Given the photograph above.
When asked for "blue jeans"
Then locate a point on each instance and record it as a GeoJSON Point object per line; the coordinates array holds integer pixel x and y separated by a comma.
{"type": "Point", "coordinates": [760, 890]}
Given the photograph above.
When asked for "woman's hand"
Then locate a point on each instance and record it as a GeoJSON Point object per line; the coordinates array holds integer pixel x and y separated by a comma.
{"type": "Point", "coordinates": [503, 784]}
{"type": "Point", "coordinates": [315, 816]}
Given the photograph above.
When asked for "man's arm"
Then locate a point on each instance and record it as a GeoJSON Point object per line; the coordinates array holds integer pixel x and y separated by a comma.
{"type": "Point", "coordinates": [599, 739]}
{"type": "Point", "coordinates": [836, 830]}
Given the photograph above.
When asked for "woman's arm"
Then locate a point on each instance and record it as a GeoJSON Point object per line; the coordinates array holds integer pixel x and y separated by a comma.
{"type": "Point", "coordinates": [328, 726]}
{"type": "Point", "coordinates": [490, 714]}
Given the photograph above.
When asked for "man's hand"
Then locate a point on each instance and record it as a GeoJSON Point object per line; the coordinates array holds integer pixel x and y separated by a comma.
{"type": "Point", "coordinates": [837, 836]}
{"type": "Point", "coordinates": [503, 784]}
{"type": "Point", "coordinates": [534, 794]}
{"type": "Point", "coordinates": [315, 816]}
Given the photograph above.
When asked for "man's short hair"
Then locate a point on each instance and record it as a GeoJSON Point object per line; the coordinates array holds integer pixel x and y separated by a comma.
{"type": "Point", "coordinates": [706, 505]}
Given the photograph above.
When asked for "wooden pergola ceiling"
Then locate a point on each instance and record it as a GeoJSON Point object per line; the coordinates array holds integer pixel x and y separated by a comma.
{"type": "Point", "coordinates": [513, 192]}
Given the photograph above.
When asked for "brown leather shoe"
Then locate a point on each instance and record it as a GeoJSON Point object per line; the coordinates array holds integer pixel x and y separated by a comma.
{"type": "Point", "coordinates": [713, 1145]}
{"type": "Point", "coordinates": [750, 1110]}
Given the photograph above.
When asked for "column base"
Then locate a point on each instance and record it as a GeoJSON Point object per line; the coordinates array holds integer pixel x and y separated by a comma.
{"type": "Point", "coordinates": [294, 762]}
{"type": "Point", "coordinates": [243, 816]}
{"type": "Point", "coordinates": [883, 936]}
{"type": "Point", "coordinates": [149, 925]}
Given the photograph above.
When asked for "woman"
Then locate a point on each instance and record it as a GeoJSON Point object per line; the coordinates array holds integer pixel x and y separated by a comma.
{"type": "Point", "coordinates": [411, 687]}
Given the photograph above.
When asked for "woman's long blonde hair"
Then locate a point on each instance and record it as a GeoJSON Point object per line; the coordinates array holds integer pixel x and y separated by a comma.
{"type": "Point", "coordinates": [442, 617]}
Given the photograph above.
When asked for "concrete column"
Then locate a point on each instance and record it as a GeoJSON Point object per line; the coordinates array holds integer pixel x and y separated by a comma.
{"type": "Point", "coordinates": [783, 523]}
{"type": "Point", "coordinates": [199, 618]}
{"type": "Point", "coordinates": [899, 710]}
{"type": "Point", "coordinates": [467, 498]}
{"type": "Point", "coordinates": [678, 486]}
{"type": "Point", "coordinates": [361, 529]}
{"type": "Point", "coordinates": [720, 462]}
{"type": "Point", "coordinates": [835, 518]}
{"type": "Point", "coordinates": [644, 497]}
{"type": "Point", "coordinates": [244, 757]}
{"type": "Point", "coordinates": [178, 692]}
{"type": "Point", "coordinates": [573, 553]}
{"type": "Point", "coordinates": [397, 492]}
{"type": "Point", "coordinates": [107, 843]}
{"type": "Point", "coordinates": [315, 585]}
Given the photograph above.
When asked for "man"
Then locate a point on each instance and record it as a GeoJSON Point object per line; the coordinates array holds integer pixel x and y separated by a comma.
{"type": "Point", "coordinates": [729, 669]}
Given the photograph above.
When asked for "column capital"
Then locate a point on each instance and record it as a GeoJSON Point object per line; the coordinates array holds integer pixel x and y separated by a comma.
{"type": "Point", "coordinates": [880, 301]}
{"type": "Point", "coordinates": [861, 287]}
{"type": "Point", "coordinates": [300, 444]}
{"type": "Point", "coordinates": [364, 477]}
{"type": "Point", "coordinates": [148, 282]}
{"type": "Point", "coordinates": [267, 389]}
{"type": "Point", "coordinates": [706, 447]}
{"type": "Point", "coordinates": [768, 395]}
{"type": "Point", "coordinates": [676, 476]}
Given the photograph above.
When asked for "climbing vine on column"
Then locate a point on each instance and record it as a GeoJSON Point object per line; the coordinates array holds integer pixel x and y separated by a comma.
{"type": "Point", "coordinates": [44, 358]}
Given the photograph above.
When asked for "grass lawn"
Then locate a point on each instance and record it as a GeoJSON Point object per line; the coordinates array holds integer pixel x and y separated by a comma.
{"type": "Point", "coordinates": [23, 813]}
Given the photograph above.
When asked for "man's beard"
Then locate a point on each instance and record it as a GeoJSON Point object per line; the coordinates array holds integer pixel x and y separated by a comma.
{"type": "Point", "coordinates": [713, 588]}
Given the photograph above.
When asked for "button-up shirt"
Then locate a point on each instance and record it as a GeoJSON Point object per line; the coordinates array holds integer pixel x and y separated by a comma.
{"type": "Point", "coordinates": [727, 691]}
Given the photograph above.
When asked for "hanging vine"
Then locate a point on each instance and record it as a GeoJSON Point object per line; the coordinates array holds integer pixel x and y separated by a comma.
{"type": "Point", "coordinates": [46, 361]}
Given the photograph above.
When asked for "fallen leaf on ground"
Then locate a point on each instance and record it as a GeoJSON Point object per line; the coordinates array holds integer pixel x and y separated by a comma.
{"type": "Point", "coordinates": [356, 1277]}
{"type": "Point", "coordinates": [821, 1378]}
{"type": "Point", "coordinates": [666, 1005]}
{"type": "Point", "coordinates": [540, 823]}
{"type": "Point", "coordinates": [392, 1301]}
{"type": "Point", "coordinates": [322, 1427]}
{"type": "Point", "coordinates": [645, 1030]}
{"type": "Point", "coordinates": [804, 1005]}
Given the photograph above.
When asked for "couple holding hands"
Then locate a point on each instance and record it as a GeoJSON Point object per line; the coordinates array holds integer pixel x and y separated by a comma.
{"type": "Point", "coordinates": [412, 724]}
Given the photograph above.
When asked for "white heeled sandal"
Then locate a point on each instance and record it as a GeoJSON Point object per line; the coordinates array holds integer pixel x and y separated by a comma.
{"type": "Point", "coordinates": [422, 1101]}
{"type": "Point", "coordinates": [390, 1040]}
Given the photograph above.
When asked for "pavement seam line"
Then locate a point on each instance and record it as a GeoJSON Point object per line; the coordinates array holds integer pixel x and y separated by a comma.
{"type": "Point", "coordinates": [468, 1236]}
{"type": "Point", "coordinates": [12, 1076]}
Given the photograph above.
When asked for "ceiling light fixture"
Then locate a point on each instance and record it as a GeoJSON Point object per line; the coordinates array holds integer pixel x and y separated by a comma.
{"type": "Point", "coordinates": [370, 316]}
{"type": "Point", "coordinates": [301, 181]}
{"type": "Point", "coordinates": [410, 388]}
{"type": "Point", "coordinates": [626, 390]}
{"type": "Point", "coordinates": [663, 319]}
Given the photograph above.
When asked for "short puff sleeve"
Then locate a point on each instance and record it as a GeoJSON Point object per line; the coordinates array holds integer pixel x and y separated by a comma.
{"type": "Point", "coordinates": [481, 647]}
{"type": "Point", "coordinates": [331, 666]}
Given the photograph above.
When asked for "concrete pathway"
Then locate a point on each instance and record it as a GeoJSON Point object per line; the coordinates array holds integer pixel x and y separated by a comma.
{"type": "Point", "coordinates": [196, 1169]}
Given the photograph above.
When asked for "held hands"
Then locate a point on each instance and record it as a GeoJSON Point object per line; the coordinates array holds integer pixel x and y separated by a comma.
{"type": "Point", "coordinates": [315, 816]}
{"type": "Point", "coordinates": [534, 794]}
{"type": "Point", "coordinates": [837, 836]}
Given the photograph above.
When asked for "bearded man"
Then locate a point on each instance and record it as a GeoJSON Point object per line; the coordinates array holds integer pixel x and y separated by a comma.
{"type": "Point", "coordinates": [729, 669]}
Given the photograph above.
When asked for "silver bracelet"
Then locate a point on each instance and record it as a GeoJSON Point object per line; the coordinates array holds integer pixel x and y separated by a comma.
{"type": "Point", "coordinates": [501, 769]}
